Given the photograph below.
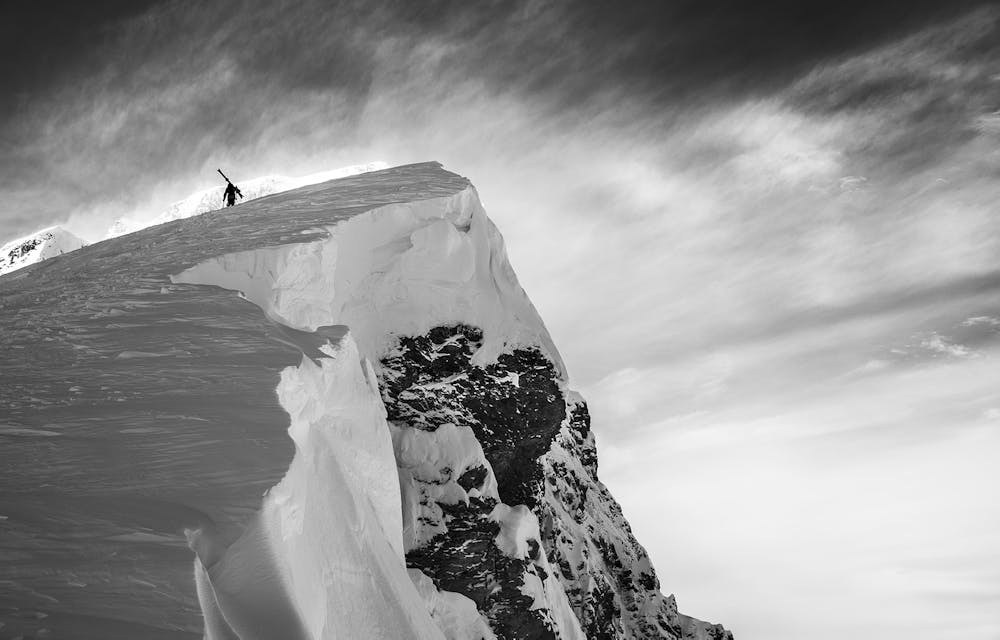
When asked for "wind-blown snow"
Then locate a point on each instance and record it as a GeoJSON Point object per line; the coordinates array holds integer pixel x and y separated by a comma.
{"type": "Point", "coordinates": [40, 245]}
{"type": "Point", "coordinates": [211, 199]}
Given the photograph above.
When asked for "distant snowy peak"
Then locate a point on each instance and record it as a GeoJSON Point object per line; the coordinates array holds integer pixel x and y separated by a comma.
{"type": "Point", "coordinates": [36, 247]}
{"type": "Point", "coordinates": [211, 199]}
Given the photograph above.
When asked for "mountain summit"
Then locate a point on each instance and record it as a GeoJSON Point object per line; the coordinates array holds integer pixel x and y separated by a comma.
{"type": "Point", "coordinates": [359, 352]}
{"type": "Point", "coordinates": [211, 199]}
{"type": "Point", "coordinates": [41, 245]}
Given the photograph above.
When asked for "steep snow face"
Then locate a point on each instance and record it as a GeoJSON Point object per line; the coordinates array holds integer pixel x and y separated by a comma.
{"type": "Point", "coordinates": [498, 509]}
{"type": "Point", "coordinates": [41, 245]}
{"type": "Point", "coordinates": [325, 552]}
{"type": "Point", "coordinates": [211, 199]}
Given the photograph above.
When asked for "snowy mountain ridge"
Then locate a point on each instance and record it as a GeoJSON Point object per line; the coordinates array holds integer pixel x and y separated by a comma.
{"type": "Point", "coordinates": [441, 480]}
{"type": "Point", "coordinates": [211, 199]}
{"type": "Point", "coordinates": [55, 240]}
{"type": "Point", "coordinates": [38, 246]}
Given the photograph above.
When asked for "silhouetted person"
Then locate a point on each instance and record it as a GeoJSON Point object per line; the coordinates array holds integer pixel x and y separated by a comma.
{"type": "Point", "coordinates": [229, 196]}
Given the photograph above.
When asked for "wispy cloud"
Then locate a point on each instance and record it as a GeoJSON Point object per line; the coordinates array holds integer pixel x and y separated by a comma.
{"type": "Point", "coordinates": [941, 345]}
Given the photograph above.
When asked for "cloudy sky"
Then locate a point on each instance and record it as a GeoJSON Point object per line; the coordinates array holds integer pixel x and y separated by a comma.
{"type": "Point", "coordinates": [764, 235]}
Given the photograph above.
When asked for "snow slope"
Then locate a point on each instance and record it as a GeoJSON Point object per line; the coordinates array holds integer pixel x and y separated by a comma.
{"type": "Point", "coordinates": [38, 246]}
{"type": "Point", "coordinates": [211, 199]}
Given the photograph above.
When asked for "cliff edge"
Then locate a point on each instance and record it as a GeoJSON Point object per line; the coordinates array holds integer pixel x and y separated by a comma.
{"type": "Point", "coordinates": [360, 353]}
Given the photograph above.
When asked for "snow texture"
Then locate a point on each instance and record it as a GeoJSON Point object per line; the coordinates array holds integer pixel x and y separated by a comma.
{"type": "Point", "coordinates": [211, 199]}
{"type": "Point", "coordinates": [38, 246]}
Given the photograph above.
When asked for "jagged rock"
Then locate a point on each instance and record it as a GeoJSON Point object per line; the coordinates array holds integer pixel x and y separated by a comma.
{"type": "Point", "coordinates": [514, 406]}
{"type": "Point", "coordinates": [537, 440]}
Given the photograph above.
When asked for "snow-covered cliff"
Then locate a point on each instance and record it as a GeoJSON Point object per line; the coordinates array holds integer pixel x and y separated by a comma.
{"type": "Point", "coordinates": [493, 449]}
{"type": "Point", "coordinates": [443, 479]}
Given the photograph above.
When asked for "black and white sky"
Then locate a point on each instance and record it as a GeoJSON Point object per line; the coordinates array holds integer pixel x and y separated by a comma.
{"type": "Point", "coordinates": [764, 235]}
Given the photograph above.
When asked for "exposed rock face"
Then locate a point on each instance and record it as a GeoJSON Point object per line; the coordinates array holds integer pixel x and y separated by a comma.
{"type": "Point", "coordinates": [537, 439]}
{"type": "Point", "coordinates": [514, 406]}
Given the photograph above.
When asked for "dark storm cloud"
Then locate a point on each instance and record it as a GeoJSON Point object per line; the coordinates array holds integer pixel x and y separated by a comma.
{"type": "Point", "coordinates": [568, 50]}
{"type": "Point", "coordinates": [925, 96]}
{"type": "Point", "coordinates": [573, 51]}
{"type": "Point", "coordinates": [42, 45]}
{"type": "Point", "coordinates": [104, 97]}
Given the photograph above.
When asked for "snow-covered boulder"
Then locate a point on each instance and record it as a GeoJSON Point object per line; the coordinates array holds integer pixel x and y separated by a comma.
{"type": "Point", "coordinates": [40, 245]}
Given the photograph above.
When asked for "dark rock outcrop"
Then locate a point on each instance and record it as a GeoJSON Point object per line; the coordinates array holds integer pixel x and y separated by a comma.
{"type": "Point", "coordinates": [540, 447]}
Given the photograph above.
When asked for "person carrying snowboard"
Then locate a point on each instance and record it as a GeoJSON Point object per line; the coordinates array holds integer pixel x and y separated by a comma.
{"type": "Point", "coordinates": [229, 195]}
